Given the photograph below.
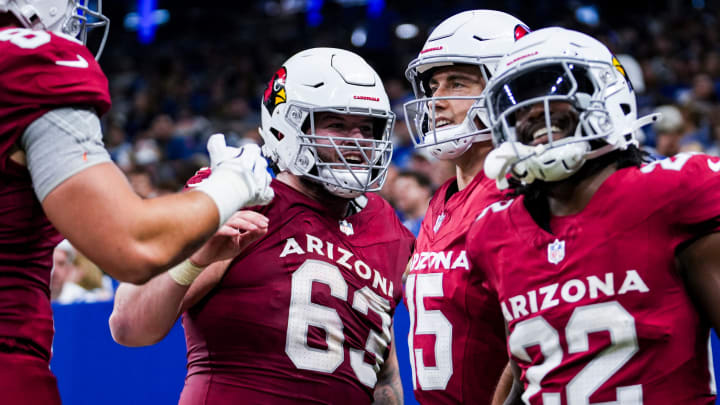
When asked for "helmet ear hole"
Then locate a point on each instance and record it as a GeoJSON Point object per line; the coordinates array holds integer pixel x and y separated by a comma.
{"type": "Point", "coordinates": [626, 108]}
{"type": "Point", "coordinates": [278, 135]}
{"type": "Point", "coordinates": [34, 19]}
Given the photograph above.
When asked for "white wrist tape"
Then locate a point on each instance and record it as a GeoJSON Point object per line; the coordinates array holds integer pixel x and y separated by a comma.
{"type": "Point", "coordinates": [185, 272]}
{"type": "Point", "coordinates": [228, 190]}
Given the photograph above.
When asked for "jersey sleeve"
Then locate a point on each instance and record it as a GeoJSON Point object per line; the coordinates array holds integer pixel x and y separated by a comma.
{"type": "Point", "coordinates": [61, 144]}
{"type": "Point", "coordinates": [42, 71]}
{"type": "Point", "coordinates": [696, 195]}
{"type": "Point", "coordinates": [687, 188]}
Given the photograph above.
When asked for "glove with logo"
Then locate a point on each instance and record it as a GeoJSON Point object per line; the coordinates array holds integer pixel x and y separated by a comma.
{"type": "Point", "coordinates": [239, 177]}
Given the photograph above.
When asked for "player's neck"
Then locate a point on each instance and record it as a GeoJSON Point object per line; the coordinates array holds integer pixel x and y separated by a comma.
{"type": "Point", "coordinates": [470, 163]}
{"type": "Point", "coordinates": [336, 206]}
{"type": "Point", "coordinates": [571, 196]}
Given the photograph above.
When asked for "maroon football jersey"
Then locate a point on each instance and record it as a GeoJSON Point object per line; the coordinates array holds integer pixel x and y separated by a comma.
{"type": "Point", "coordinates": [304, 314]}
{"type": "Point", "coordinates": [457, 335]}
{"type": "Point", "coordinates": [39, 71]}
{"type": "Point", "coordinates": [597, 311]}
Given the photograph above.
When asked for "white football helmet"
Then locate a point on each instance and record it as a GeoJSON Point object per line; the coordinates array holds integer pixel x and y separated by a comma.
{"type": "Point", "coordinates": [556, 64]}
{"type": "Point", "coordinates": [70, 17]}
{"type": "Point", "coordinates": [336, 81]}
{"type": "Point", "coordinates": [476, 37]}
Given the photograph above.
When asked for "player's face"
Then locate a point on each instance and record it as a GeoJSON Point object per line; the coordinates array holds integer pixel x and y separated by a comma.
{"type": "Point", "coordinates": [454, 81]}
{"type": "Point", "coordinates": [356, 131]}
{"type": "Point", "coordinates": [62, 267]}
{"type": "Point", "coordinates": [531, 128]}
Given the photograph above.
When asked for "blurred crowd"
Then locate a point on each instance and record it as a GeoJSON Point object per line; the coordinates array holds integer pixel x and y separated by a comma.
{"type": "Point", "coordinates": [208, 66]}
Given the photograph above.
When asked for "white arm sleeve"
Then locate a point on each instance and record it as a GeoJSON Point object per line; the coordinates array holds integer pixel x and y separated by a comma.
{"type": "Point", "coordinates": [59, 145]}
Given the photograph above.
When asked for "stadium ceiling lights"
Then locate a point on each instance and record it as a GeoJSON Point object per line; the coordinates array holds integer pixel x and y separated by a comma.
{"type": "Point", "coordinates": [146, 20]}
{"type": "Point", "coordinates": [359, 37]}
{"type": "Point", "coordinates": [406, 31]}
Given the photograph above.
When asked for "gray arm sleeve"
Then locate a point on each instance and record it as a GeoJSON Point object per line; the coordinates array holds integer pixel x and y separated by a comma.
{"type": "Point", "coordinates": [59, 145]}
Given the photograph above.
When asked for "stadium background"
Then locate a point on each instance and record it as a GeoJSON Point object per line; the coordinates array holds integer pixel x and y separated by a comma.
{"type": "Point", "coordinates": [180, 70]}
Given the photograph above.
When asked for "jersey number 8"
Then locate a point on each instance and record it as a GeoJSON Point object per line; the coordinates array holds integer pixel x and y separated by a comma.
{"type": "Point", "coordinates": [24, 38]}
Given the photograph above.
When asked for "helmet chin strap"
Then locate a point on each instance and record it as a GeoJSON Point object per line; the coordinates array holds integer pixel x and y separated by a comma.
{"type": "Point", "coordinates": [352, 179]}
{"type": "Point", "coordinates": [459, 137]}
{"type": "Point", "coordinates": [482, 135]}
{"type": "Point", "coordinates": [529, 163]}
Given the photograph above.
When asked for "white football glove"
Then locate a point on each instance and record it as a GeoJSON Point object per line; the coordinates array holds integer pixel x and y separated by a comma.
{"type": "Point", "coordinates": [239, 177]}
{"type": "Point", "coordinates": [499, 162]}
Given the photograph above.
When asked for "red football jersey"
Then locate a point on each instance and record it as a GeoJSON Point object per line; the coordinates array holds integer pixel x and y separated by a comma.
{"type": "Point", "coordinates": [39, 71]}
{"type": "Point", "coordinates": [457, 335]}
{"type": "Point", "coordinates": [303, 316]}
{"type": "Point", "coordinates": [597, 310]}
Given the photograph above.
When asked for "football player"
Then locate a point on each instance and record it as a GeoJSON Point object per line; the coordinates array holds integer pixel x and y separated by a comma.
{"type": "Point", "coordinates": [455, 326]}
{"type": "Point", "coordinates": [303, 314]}
{"type": "Point", "coordinates": [57, 178]}
{"type": "Point", "coordinates": [606, 270]}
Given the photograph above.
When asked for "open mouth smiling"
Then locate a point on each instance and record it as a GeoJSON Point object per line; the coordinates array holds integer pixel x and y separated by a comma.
{"type": "Point", "coordinates": [354, 159]}
{"type": "Point", "coordinates": [540, 135]}
{"type": "Point", "coordinates": [535, 132]}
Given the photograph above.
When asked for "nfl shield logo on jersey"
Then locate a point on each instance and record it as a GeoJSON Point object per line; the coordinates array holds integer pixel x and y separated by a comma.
{"type": "Point", "coordinates": [346, 228]}
{"type": "Point", "coordinates": [556, 251]}
{"type": "Point", "coordinates": [438, 222]}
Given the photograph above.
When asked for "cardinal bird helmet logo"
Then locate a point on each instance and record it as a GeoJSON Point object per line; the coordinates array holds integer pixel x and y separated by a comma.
{"type": "Point", "coordinates": [275, 91]}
